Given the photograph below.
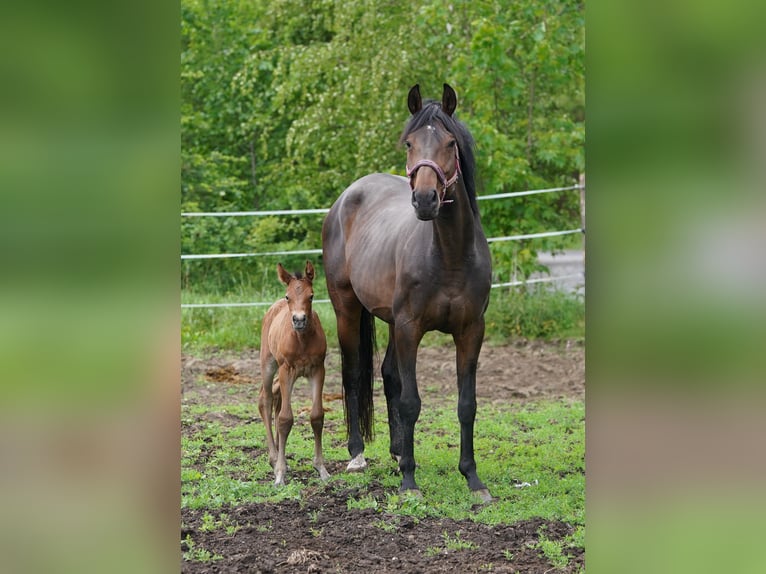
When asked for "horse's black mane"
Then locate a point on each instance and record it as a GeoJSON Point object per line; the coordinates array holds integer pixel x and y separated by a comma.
{"type": "Point", "coordinates": [432, 112]}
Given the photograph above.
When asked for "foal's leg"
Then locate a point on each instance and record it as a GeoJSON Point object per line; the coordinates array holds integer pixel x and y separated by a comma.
{"type": "Point", "coordinates": [392, 385]}
{"type": "Point", "coordinates": [284, 422]}
{"type": "Point", "coordinates": [407, 341]}
{"type": "Point", "coordinates": [266, 402]}
{"type": "Point", "coordinates": [317, 419]}
{"type": "Point", "coordinates": [468, 346]}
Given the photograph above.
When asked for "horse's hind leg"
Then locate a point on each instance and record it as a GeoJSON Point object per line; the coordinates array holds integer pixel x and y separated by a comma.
{"type": "Point", "coordinates": [392, 385]}
{"type": "Point", "coordinates": [348, 338]}
{"type": "Point", "coordinates": [317, 420]}
{"type": "Point", "coordinates": [266, 403]}
{"type": "Point", "coordinates": [284, 424]}
{"type": "Point", "coordinates": [468, 346]}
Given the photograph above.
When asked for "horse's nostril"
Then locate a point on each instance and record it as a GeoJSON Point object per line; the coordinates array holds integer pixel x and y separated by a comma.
{"type": "Point", "coordinates": [414, 200]}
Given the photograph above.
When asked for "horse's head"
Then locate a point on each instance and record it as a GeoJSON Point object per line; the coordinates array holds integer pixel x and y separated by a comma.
{"type": "Point", "coordinates": [300, 293]}
{"type": "Point", "coordinates": [430, 144]}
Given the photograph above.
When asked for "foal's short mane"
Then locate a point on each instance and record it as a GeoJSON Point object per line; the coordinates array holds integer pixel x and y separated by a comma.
{"type": "Point", "coordinates": [432, 113]}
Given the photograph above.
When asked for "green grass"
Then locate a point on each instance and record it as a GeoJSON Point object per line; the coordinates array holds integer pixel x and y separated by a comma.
{"type": "Point", "coordinates": [540, 443]}
{"type": "Point", "coordinates": [534, 313]}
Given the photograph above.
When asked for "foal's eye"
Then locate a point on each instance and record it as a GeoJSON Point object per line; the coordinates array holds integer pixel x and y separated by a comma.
{"type": "Point", "coordinates": [287, 298]}
{"type": "Point", "coordinates": [311, 297]}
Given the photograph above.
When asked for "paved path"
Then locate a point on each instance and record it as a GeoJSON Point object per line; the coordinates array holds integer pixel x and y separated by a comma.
{"type": "Point", "coordinates": [570, 262]}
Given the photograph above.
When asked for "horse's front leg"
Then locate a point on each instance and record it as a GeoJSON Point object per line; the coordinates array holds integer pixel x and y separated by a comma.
{"type": "Point", "coordinates": [407, 341]}
{"type": "Point", "coordinates": [317, 419]}
{"type": "Point", "coordinates": [468, 345]}
{"type": "Point", "coordinates": [392, 386]}
{"type": "Point", "coordinates": [284, 422]}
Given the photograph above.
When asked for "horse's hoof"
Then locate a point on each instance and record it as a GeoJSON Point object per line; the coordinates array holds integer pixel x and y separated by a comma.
{"type": "Point", "coordinates": [484, 495]}
{"type": "Point", "coordinates": [357, 463]}
{"type": "Point", "coordinates": [323, 474]}
{"type": "Point", "coordinates": [412, 493]}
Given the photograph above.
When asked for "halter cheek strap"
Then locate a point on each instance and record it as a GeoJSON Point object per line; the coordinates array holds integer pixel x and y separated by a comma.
{"type": "Point", "coordinates": [411, 171]}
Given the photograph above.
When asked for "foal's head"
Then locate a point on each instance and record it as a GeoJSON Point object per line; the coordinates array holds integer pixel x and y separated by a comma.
{"type": "Point", "coordinates": [300, 293]}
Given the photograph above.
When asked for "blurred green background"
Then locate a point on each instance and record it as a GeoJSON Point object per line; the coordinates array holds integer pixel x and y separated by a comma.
{"type": "Point", "coordinates": [89, 220]}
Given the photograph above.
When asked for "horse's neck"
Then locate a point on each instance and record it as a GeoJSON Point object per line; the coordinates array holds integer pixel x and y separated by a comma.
{"type": "Point", "coordinates": [455, 227]}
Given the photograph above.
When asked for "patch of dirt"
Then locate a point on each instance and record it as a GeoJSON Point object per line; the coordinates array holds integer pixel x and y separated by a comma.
{"type": "Point", "coordinates": [526, 371]}
{"type": "Point", "coordinates": [320, 534]}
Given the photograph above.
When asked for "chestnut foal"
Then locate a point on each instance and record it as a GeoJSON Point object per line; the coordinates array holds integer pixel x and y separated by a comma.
{"type": "Point", "coordinates": [293, 344]}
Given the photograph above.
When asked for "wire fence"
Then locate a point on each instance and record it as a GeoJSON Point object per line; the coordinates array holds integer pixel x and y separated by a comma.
{"type": "Point", "coordinates": [490, 240]}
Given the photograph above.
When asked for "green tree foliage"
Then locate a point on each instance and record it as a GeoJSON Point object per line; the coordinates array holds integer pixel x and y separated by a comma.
{"type": "Point", "coordinates": [286, 102]}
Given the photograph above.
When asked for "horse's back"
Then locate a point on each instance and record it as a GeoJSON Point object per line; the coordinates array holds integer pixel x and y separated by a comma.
{"type": "Point", "coordinates": [368, 218]}
{"type": "Point", "coordinates": [363, 235]}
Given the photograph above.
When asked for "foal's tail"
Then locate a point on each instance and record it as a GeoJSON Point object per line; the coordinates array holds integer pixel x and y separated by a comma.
{"type": "Point", "coordinates": [367, 348]}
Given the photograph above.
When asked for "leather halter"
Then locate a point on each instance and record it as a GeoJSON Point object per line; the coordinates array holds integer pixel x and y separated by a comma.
{"type": "Point", "coordinates": [411, 171]}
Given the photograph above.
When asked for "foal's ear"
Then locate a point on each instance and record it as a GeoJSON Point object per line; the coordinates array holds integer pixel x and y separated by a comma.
{"type": "Point", "coordinates": [449, 100]}
{"type": "Point", "coordinates": [414, 101]}
{"type": "Point", "coordinates": [309, 271]}
{"type": "Point", "coordinates": [284, 276]}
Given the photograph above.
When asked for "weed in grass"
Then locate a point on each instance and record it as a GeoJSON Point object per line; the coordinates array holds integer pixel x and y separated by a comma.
{"type": "Point", "coordinates": [553, 550]}
{"type": "Point", "coordinates": [366, 501]}
{"type": "Point", "coordinates": [209, 523]}
{"type": "Point", "coordinates": [316, 532]}
{"type": "Point", "coordinates": [264, 527]}
{"type": "Point", "coordinates": [387, 525]}
{"type": "Point", "coordinates": [508, 555]}
{"type": "Point", "coordinates": [456, 543]}
{"type": "Point", "coordinates": [194, 554]}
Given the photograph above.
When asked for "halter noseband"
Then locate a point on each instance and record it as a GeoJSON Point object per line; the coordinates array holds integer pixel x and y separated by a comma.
{"type": "Point", "coordinates": [411, 171]}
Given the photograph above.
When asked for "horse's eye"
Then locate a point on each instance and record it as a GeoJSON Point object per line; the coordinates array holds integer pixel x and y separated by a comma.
{"type": "Point", "coordinates": [287, 298]}
{"type": "Point", "coordinates": [408, 145]}
{"type": "Point", "coordinates": [451, 143]}
{"type": "Point", "coordinates": [311, 297]}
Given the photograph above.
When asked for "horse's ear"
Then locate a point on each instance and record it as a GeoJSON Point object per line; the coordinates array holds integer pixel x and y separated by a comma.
{"type": "Point", "coordinates": [414, 101]}
{"type": "Point", "coordinates": [309, 270]}
{"type": "Point", "coordinates": [449, 100]}
{"type": "Point", "coordinates": [284, 276]}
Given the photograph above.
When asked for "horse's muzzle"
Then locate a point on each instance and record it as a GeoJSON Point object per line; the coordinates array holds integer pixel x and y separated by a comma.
{"type": "Point", "coordinates": [426, 204]}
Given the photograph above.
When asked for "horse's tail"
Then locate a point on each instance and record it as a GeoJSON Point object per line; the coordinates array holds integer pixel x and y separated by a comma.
{"type": "Point", "coordinates": [367, 349]}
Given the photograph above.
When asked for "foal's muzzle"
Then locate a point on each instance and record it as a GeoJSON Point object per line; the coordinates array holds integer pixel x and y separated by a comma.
{"type": "Point", "coordinates": [299, 322]}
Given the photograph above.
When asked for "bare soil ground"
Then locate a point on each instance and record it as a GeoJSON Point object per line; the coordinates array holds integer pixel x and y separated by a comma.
{"type": "Point", "coordinates": [282, 537]}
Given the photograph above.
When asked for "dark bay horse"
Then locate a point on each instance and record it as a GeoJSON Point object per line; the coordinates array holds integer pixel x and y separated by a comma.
{"type": "Point", "coordinates": [410, 251]}
{"type": "Point", "coordinates": [293, 344]}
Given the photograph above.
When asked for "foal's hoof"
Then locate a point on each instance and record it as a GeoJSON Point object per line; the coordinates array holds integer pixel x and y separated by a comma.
{"type": "Point", "coordinates": [323, 474]}
{"type": "Point", "coordinates": [357, 463]}
{"type": "Point", "coordinates": [484, 495]}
